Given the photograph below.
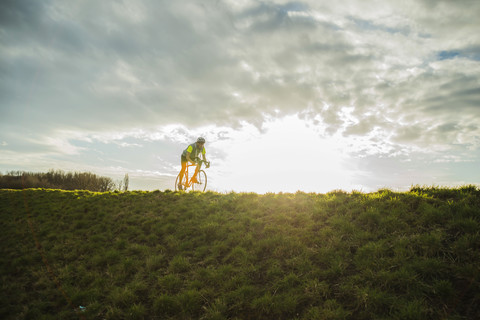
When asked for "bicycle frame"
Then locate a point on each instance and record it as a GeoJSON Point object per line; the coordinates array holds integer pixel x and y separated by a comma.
{"type": "Point", "coordinates": [187, 181]}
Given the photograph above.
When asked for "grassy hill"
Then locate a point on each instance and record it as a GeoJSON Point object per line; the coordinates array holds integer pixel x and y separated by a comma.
{"type": "Point", "coordinates": [167, 255]}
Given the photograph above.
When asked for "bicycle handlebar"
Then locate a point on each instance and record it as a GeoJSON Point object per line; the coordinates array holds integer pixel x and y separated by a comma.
{"type": "Point", "coordinates": [207, 163]}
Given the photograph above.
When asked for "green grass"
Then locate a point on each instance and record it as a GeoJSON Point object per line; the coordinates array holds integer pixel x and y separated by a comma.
{"type": "Point", "coordinates": [167, 255]}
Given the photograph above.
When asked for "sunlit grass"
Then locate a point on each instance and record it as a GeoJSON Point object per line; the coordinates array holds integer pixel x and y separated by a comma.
{"type": "Point", "coordinates": [167, 255]}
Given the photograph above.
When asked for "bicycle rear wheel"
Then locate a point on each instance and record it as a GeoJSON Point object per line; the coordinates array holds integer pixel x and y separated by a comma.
{"type": "Point", "coordinates": [202, 181]}
{"type": "Point", "coordinates": [177, 181]}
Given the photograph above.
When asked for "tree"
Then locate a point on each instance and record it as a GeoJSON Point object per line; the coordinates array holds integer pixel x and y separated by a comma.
{"type": "Point", "coordinates": [125, 182]}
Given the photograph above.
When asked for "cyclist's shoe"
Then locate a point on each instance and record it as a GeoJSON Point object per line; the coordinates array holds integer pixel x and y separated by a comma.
{"type": "Point", "coordinates": [194, 180]}
{"type": "Point", "coordinates": [180, 187]}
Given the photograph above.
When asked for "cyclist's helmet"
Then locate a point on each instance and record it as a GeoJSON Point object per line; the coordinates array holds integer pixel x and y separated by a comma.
{"type": "Point", "coordinates": [201, 140]}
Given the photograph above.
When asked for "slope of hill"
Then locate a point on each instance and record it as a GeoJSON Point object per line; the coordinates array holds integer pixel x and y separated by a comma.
{"type": "Point", "coordinates": [166, 255]}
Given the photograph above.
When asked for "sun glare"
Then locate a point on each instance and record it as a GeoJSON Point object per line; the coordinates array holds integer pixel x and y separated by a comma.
{"type": "Point", "coordinates": [286, 156]}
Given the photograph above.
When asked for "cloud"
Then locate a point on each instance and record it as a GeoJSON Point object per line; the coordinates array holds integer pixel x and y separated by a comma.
{"type": "Point", "coordinates": [408, 71]}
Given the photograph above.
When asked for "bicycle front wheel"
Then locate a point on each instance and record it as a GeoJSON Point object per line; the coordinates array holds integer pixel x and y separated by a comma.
{"type": "Point", "coordinates": [202, 181]}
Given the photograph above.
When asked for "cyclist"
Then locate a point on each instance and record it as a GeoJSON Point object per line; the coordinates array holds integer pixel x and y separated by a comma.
{"type": "Point", "coordinates": [191, 154]}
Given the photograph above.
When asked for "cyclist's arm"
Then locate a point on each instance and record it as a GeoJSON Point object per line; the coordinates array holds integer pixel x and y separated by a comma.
{"type": "Point", "coordinates": [207, 164]}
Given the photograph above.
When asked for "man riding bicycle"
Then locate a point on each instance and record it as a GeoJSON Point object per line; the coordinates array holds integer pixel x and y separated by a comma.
{"type": "Point", "coordinates": [191, 154]}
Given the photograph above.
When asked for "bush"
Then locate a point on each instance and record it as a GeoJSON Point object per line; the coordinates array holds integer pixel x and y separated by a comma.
{"type": "Point", "coordinates": [57, 179]}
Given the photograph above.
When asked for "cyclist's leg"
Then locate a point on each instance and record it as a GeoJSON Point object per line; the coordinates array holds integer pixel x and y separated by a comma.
{"type": "Point", "coordinates": [182, 172]}
{"type": "Point", "coordinates": [197, 168]}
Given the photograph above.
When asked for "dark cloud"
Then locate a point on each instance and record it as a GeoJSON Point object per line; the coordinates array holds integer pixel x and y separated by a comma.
{"type": "Point", "coordinates": [21, 15]}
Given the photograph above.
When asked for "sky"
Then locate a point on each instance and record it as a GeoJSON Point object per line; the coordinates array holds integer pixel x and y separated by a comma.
{"type": "Point", "coordinates": [306, 95]}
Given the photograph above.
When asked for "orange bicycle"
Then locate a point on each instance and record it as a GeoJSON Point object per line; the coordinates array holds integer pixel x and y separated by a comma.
{"type": "Point", "coordinates": [187, 182]}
